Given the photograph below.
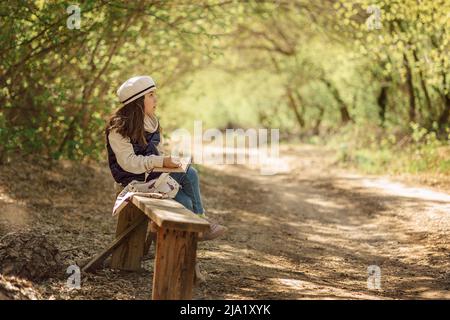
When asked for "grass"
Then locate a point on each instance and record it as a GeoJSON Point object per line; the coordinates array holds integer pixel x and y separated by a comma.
{"type": "Point", "coordinates": [372, 150]}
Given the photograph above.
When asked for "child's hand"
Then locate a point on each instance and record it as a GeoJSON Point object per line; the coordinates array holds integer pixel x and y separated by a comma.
{"type": "Point", "coordinates": [170, 162]}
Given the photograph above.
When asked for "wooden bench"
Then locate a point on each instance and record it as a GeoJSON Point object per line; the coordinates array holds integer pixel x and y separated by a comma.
{"type": "Point", "coordinates": [176, 244]}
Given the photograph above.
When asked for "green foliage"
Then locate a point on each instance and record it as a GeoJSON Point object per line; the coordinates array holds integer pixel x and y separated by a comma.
{"type": "Point", "coordinates": [417, 152]}
{"type": "Point", "coordinates": [59, 83]}
{"type": "Point", "coordinates": [313, 69]}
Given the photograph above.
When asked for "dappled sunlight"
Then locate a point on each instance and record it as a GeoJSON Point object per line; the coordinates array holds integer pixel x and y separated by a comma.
{"type": "Point", "coordinates": [306, 289]}
{"type": "Point", "coordinates": [5, 197]}
{"type": "Point", "coordinates": [256, 217]}
{"type": "Point", "coordinates": [14, 213]}
{"type": "Point", "coordinates": [425, 293]}
{"type": "Point", "coordinates": [401, 190]}
{"type": "Point", "coordinates": [324, 203]}
{"type": "Point", "coordinates": [247, 256]}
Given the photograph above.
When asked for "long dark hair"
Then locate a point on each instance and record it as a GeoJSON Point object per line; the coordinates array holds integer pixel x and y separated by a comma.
{"type": "Point", "coordinates": [129, 121]}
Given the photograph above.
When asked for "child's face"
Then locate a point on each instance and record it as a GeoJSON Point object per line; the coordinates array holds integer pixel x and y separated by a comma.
{"type": "Point", "coordinates": [150, 103]}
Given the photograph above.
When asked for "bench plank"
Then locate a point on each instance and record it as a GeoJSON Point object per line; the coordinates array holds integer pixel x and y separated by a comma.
{"type": "Point", "coordinates": [169, 214]}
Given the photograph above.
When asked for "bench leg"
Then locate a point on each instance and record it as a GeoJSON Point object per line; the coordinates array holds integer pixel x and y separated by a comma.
{"type": "Point", "coordinates": [128, 255]}
{"type": "Point", "coordinates": [103, 255]}
{"type": "Point", "coordinates": [174, 269]}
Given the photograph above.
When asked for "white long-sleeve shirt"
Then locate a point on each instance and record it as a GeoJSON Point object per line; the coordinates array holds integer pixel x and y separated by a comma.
{"type": "Point", "coordinates": [126, 158]}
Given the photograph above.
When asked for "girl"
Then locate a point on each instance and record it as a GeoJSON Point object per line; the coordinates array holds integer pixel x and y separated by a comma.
{"type": "Point", "coordinates": [133, 135]}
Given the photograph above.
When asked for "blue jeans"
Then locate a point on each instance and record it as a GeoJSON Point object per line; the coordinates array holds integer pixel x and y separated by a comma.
{"type": "Point", "coordinates": [189, 193]}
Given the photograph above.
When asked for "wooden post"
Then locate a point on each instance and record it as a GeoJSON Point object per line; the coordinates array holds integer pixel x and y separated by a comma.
{"type": "Point", "coordinates": [128, 255]}
{"type": "Point", "coordinates": [174, 269]}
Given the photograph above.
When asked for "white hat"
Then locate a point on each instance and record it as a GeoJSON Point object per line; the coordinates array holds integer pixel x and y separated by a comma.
{"type": "Point", "coordinates": [134, 88]}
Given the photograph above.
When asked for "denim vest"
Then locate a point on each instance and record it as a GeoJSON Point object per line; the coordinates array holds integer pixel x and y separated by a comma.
{"type": "Point", "coordinates": [124, 177]}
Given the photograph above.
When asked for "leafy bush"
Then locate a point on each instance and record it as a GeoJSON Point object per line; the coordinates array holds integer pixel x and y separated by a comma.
{"type": "Point", "coordinates": [373, 151]}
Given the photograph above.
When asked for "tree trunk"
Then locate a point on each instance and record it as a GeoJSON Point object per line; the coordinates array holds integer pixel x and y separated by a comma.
{"type": "Point", "coordinates": [316, 129]}
{"type": "Point", "coordinates": [424, 87]}
{"type": "Point", "coordinates": [410, 88]}
{"type": "Point", "coordinates": [382, 102]}
{"type": "Point", "coordinates": [294, 106]}
{"type": "Point", "coordinates": [444, 117]}
{"type": "Point", "coordinates": [343, 109]}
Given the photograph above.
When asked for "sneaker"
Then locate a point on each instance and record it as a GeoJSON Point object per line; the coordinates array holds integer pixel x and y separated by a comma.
{"type": "Point", "coordinates": [215, 230]}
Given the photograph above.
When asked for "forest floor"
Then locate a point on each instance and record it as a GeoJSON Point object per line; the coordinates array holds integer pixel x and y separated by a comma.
{"type": "Point", "coordinates": [310, 232]}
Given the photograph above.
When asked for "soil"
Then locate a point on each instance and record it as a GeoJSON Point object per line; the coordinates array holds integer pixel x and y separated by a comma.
{"type": "Point", "coordinates": [312, 231]}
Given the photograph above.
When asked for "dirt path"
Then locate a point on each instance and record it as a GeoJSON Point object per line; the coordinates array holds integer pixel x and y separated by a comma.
{"type": "Point", "coordinates": [311, 233]}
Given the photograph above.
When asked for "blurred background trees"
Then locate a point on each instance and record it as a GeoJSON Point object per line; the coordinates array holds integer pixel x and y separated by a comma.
{"type": "Point", "coordinates": [364, 74]}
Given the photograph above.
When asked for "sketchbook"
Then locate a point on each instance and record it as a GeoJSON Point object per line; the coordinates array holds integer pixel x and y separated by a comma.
{"type": "Point", "coordinates": [185, 162]}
